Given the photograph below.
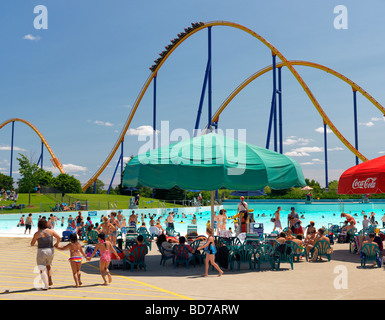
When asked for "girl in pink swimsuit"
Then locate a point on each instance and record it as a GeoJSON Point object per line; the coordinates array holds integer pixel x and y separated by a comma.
{"type": "Point", "coordinates": [105, 248]}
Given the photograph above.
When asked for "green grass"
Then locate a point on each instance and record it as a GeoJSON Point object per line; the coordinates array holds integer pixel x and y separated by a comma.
{"type": "Point", "coordinates": [44, 203]}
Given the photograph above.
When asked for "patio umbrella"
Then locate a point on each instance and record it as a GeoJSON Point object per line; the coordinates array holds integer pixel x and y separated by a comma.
{"type": "Point", "coordinates": [211, 161]}
{"type": "Point", "coordinates": [365, 178]}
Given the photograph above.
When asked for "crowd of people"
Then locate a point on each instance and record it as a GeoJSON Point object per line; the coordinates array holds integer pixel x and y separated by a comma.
{"type": "Point", "coordinates": [108, 228]}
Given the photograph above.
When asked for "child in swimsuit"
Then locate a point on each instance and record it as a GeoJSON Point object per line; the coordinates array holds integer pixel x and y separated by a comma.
{"type": "Point", "coordinates": [105, 248]}
{"type": "Point", "coordinates": [209, 248]}
{"type": "Point", "coordinates": [75, 258]}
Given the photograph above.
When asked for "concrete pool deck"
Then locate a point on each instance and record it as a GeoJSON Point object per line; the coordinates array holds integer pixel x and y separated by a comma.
{"type": "Point", "coordinates": [340, 279]}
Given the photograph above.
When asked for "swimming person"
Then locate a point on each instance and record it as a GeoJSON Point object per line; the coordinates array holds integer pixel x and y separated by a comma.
{"type": "Point", "coordinates": [75, 259]}
{"type": "Point", "coordinates": [105, 248]}
{"type": "Point", "coordinates": [209, 248]}
{"type": "Point", "coordinates": [45, 252]}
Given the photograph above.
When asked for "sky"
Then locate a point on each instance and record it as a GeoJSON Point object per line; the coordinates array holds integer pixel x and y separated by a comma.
{"type": "Point", "coordinates": [77, 78]}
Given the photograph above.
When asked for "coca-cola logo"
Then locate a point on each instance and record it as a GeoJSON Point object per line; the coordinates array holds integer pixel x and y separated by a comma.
{"type": "Point", "coordinates": [369, 183]}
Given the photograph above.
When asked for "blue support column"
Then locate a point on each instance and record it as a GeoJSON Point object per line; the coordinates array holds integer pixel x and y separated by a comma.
{"type": "Point", "coordinates": [210, 78]}
{"type": "Point", "coordinates": [326, 157]}
{"type": "Point", "coordinates": [95, 186]}
{"type": "Point", "coordinates": [40, 161]}
{"type": "Point", "coordinates": [202, 98]}
{"type": "Point", "coordinates": [41, 155]}
{"type": "Point", "coordinates": [280, 110]}
{"type": "Point", "coordinates": [273, 109]}
{"type": "Point", "coordinates": [207, 79]}
{"type": "Point", "coordinates": [355, 121]}
{"type": "Point", "coordinates": [13, 131]}
{"type": "Point", "coordinates": [120, 161]}
{"type": "Point", "coordinates": [154, 116]}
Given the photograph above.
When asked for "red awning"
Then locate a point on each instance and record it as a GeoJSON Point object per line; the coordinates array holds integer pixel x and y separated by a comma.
{"type": "Point", "coordinates": [365, 178]}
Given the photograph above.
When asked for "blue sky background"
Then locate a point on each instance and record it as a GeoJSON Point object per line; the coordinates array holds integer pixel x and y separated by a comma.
{"type": "Point", "coordinates": [76, 81]}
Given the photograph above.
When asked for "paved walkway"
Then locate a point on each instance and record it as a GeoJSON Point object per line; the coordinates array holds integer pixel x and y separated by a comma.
{"type": "Point", "coordinates": [341, 278]}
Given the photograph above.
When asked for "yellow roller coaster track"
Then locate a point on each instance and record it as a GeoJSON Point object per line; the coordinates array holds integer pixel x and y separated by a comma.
{"type": "Point", "coordinates": [275, 51]}
{"type": "Point", "coordinates": [55, 161]}
{"type": "Point", "coordinates": [261, 72]}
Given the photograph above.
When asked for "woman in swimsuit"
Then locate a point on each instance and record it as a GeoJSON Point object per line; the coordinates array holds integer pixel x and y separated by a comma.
{"type": "Point", "coordinates": [106, 227]}
{"type": "Point", "coordinates": [209, 248]}
{"type": "Point", "coordinates": [116, 224]}
{"type": "Point", "coordinates": [45, 252]}
{"type": "Point", "coordinates": [349, 218]}
{"type": "Point", "coordinates": [75, 259]}
{"type": "Point", "coordinates": [105, 248]}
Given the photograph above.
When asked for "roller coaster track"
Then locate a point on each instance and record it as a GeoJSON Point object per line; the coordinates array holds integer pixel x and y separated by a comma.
{"type": "Point", "coordinates": [55, 161]}
{"type": "Point", "coordinates": [284, 63]}
{"type": "Point", "coordinates": [261, 72]}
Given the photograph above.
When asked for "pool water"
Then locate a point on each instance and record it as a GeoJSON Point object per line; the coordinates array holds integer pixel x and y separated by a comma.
{"type": "Point", "coordinates": [8, 222]}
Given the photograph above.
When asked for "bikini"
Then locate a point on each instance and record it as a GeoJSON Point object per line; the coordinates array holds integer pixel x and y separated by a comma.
{"type": "Point", "coordinates": [77, 259]}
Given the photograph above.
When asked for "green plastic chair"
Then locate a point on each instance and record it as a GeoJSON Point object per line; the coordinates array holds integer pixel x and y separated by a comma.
{"type": "Point", "coordinates": [370, 252]}
{"type": "Point", "coordinates": [297, 250]}
{"type": "Point", "coordinates": [200, 256]}
{"type": "Point", "coordinates": [287, 256]}
{"type": "Point", "coordinates": [142, 231]}
{"type": "Point", "coordinates": [139, 254]}
{"type": "Point", "coordinates": [323, 248]}
{"type": "Point", "coordinates": [352, 239]}
{"type": "Point", "coordinates": [171, 232]}
{"type": "Point", "coordinates": [242, 254]}
{"type": "Point", "coordinates": [164, 256]}
{"type": "Point", "coordinates": [182, 255]}
{"type": "Point", "coordinates": [264, 253]}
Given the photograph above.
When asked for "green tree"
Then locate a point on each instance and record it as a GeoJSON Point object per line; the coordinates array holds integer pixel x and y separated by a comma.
{"type": "Point", "coordinates": [30, 176]}
{"type": "Point", "coordinates": [6, 182]}
{"type": "Point", "coordinates": [99, 187]}
{"type": "Point", "coordinates": [46, 178]}
{"type": "Point", "coordinates": [67, 184]}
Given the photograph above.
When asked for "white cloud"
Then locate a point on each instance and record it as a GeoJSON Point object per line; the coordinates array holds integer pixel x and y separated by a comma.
{"type": "Point", "coordinates": [313, 161]}
{"type": "Point", "coordinates": [102, 123]}
{"type": "Point", "coordinates": [335, 149]}
{"type": "Point", "coordinates": [321, 130]}
{"type": "Point", "coordinates": [31, 37]}
{"type": "Point", "coordinates": [378, 119]}
{"type": "Point", "coordinates": [295, 140]}
{"type": "Point", "coordinates": [296, 154]}
{"type": "Point", "coordinates": [367, 124]}
{"type": "Point", "coordinates": [303, 151]}
{"type": "Point", "coordinates": [142, 131]}
{"type": "Point", "coordinates": [67, 168]}
{"type": "Point", "coordinates": [8, 148]}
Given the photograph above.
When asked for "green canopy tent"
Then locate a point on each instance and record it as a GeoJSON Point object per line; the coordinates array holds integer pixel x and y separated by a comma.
{"type": "Point", "coordinates": [209, 162]}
